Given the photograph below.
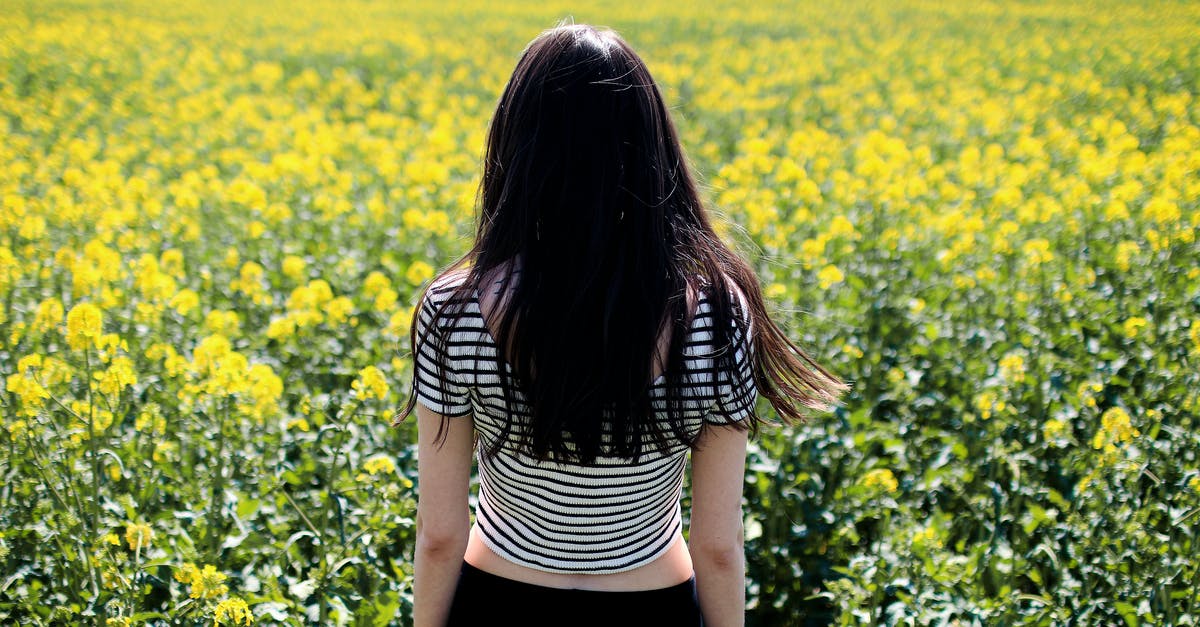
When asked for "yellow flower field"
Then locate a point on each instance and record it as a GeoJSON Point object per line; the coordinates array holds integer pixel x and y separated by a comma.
{"type": "Point", "coordinates": [215, 218]}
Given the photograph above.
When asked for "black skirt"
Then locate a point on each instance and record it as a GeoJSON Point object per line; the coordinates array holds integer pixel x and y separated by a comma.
{"type": "Point", "coordinates": [482, 598]}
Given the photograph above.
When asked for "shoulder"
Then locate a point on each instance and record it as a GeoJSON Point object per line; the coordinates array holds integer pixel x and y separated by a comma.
{"type": "Point", "coordinates": [729, 296]}
{"type": "Point", "coordinates": [444, 300]}
{"type": "Point", "coordinates": [446, 288]}
{"type": "Point", "coordinates": [447, 283]}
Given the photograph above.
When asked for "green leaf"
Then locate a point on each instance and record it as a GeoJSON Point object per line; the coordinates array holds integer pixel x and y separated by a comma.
{"type": "Point", "coordinates": [247, 507]}
{"type": "Point", "coordinates": [1127, 612]}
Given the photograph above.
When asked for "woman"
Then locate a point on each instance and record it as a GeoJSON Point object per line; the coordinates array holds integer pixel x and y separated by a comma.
{"type": "Point", "coordinates": [631, 337]}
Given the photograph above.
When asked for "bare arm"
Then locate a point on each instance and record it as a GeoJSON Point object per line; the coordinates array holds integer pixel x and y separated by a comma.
{"type": "Point", "coordinates": [443, 519]}
{"type": "Point", "coordinates": [715, 536]}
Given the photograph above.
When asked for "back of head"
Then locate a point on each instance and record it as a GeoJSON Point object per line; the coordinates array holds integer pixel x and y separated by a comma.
{"type": "Point", "coordinates": [582, 164]}
{"type": "Point", "coordinates": [590, 215]}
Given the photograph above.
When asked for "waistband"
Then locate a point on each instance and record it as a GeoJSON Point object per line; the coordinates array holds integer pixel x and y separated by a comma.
{"type": "Point", "coordinates": [687, 588]}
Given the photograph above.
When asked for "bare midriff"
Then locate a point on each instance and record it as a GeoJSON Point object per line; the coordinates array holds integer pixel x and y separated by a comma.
{"type": "Point", "coordinates": [669, 569]}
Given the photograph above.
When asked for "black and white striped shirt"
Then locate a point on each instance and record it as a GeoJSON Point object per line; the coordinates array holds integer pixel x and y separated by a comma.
{"type": "Point", "coordinates": [607, 517]}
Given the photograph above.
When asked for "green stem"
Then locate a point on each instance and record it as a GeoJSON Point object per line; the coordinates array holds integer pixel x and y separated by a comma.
{"type": "Point", "coordinates": [62, 550]}
{"type": "Point", "coordinates": [214, 509]}
{"type": "Point", "coordinates": [95, 518]}
{"type": "Point", "coordinates": [330, 473]}
{"type": "Point", "coordinates": [137, 569]}
{"type": "Point", "coordinates": [95, 509]}
{"type": "Point", "coordinates": [303, 517]}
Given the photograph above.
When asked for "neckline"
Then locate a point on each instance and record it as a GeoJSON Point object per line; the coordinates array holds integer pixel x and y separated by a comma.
{"type": "Point", "coordinates": [491, 338]}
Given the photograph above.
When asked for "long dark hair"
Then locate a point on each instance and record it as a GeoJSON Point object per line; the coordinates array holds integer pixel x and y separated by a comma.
{"type": "Point", "coordinates": [585, 187]}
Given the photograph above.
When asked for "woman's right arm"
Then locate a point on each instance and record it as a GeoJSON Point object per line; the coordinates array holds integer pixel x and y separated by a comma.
{"type": "Point", "coordinates": [715, 536]}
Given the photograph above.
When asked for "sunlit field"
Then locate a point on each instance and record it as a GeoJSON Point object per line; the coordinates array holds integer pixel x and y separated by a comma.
{"type": "Point", "coordinates": [216, 217]}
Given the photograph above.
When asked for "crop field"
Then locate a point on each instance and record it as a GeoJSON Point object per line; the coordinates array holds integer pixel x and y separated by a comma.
{"type": "Point", "coordinates": [215, 218]}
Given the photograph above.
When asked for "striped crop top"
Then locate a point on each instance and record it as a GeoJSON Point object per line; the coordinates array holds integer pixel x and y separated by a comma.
{"type": "Point", "coordinates": [607, 517]}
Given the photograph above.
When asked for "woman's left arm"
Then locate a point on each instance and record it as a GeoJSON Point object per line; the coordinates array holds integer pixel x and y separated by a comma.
{"type": "Point", "coordinates": [443, 518]}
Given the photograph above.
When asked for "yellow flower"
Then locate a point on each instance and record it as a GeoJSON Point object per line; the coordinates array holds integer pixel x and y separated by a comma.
{"type": "Point", "coordinates": [1087, 480]}
{"type": "Point", "coordinates": [293, 267]}
{"type": "Point", "coordinates": [117, 621]}
{"type": "Point", "coordinates": [1161, 210]}
{"type": "Point", "coordinates": [338, 309]}
{"type": "Point", "coordinates": [251, 273]}
{"type": "Point", "coordinates": [882, 478]}
{"type": "Point", "coordinates": [49, 314]}
{"type": "Point", "coordinates": [153, 284]}
{"type": "Point", "coordinates": [184, 301]}
{"type": "Point", "coordinates": [1054, 429]}
{"type": "Point", "coordinates": [311, 296]}
{"type": "Point", "coordinates": [32, 227]}
{"type": "Point", "coordinates": [985, 403]}
{"type": "Point", "coordinates": [418, 272]}
{"type": "Point", "coordinates": [29, 362]}
{"type": "Point", "coordinates": [235, 611]}
{"type": "Point", "coordinates": [150, 419]}
{"type": "Point", "coordinates": [381, 464]}
{"type": "Point", "coordinates": [225, 323]}
{"type": "Point", "coordinates": [1037, 251]}
{"type": "Point", "coordinates": [370, 384]}
{"type": "Point", "coordinates": [138, 536]}
{"type": "Point", "coordinates": [186, 573]}
{"type": "Point", "coordinates": [84, 324]}
{"type": "Point", "coordinates": [829, 275]}
{"type": "Point", "coordinates": [163, 452]}
{"type": "Point", "coordinates": [841, 226]}
{"type": "Point", "coordinates": [1194, 483]}
{"type": "Point", "coordinates": [171, 262]}
{"type": "Point", "coordinates": [265, 388]}
{"type": "Point", "coordinates": [29, 391]}
{"type": "Point", "coordinates": [812, 250]}
{"type": "Point", "coordinates": [118, 376]}
{"type": "Point", "coordinates": [375, 282]}
{"type": "Point", "coordinates": [281, 328]}
{"type": "Point", "coordinates": [108, 343]}
{"type": "Point", "coordinates": [927, 537]}
{"type": "Point", "coordinates": [1125, 253]}
{"type": "Point", "coordinates": [250, 281]}
{"type": "Point", "coordinates": [321, 291]}
{"type": "Point", "coordinates": [400, 322]}
{"type": "Point", "coordinates": [1132, 325]}
{"type": "Point", "coordinates": [1087, 391]}
{"type": "Point", "coordinates": [1115, 428]}
{"type": "Point", "coordinates": [206, 583]}
{"type": "Point", "coordinates": [56, 371]}
{"type": "Point", "coordinates": [277, 212]}
{"type": "Point", "coordinates": [385, 300]}
{"type": "Point", "coordinates": [1012, 368]}
{"type": "Point", "coordinates": [208, 353]}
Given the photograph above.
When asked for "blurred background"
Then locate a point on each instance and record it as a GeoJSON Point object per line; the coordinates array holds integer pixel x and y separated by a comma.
{"type": "Point", "coordinates": [217, 216]}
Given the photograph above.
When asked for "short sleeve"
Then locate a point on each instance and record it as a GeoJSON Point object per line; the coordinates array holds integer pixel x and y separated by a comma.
{"type": "Point", "coordinates": [436, 383]}
{"type": "Point", "coordinates": [736, 390]}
